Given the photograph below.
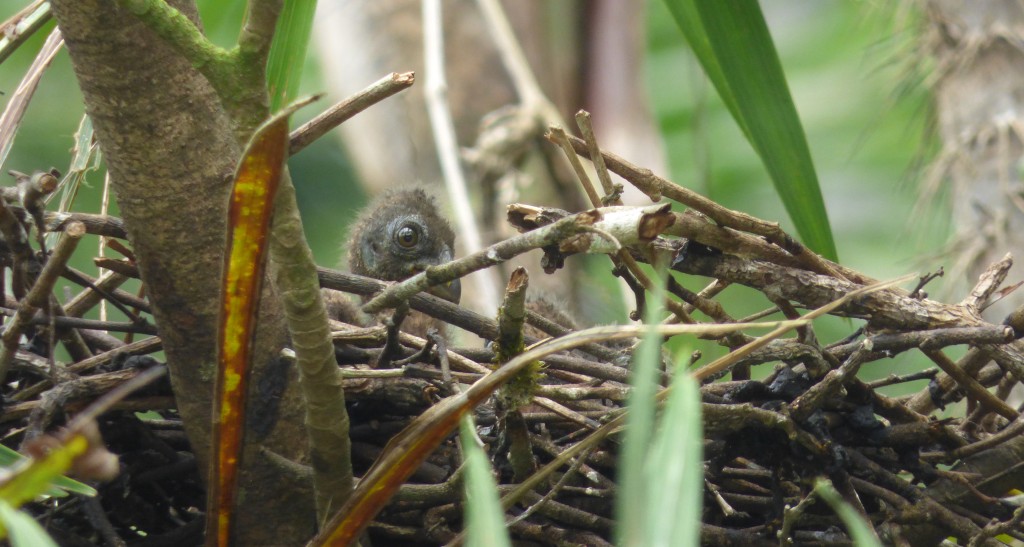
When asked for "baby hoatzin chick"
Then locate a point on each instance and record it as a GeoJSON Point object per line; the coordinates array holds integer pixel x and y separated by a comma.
{"type": "Point", "coordinates": [398, 235]}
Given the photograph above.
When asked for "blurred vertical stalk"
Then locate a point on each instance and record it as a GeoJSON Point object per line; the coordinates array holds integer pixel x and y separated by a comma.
{"type": "Point", "coordinates": [978, 86]}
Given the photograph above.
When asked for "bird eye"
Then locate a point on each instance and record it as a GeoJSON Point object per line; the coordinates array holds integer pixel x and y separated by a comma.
{"type": "Point", "coordinates": [407, 237]}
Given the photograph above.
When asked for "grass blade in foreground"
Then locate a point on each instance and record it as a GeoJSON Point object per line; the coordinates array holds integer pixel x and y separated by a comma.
{"type": "Point", "coordinates": [631, 500]}
{"type": "Point", "coordinates": [410, 447]}
{"type": "Point", "coordinates": [861, 534]}
{"type": "Point", "coordinates": [675, 472]}
{"type": "Point", "coordinates": [22, 529]}
{"type": "Point", "coordinates": [732, 43]}
{"type": "Point", "coordinates": [485, 521]}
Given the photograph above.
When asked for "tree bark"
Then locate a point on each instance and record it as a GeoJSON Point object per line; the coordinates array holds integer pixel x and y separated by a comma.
{"type": "Point", "coordinates": [171, 153]}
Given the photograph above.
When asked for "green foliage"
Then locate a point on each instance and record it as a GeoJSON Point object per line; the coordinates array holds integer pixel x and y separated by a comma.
{"type": "Point", "coordinates": [732, 42]}
{"type": "Point", "coordinates": [661, 471]}
{"type": "Point", "coordinates": [22, 529]}
{"type": "Point", "coordinates": [34, 477]}
{"type": "Point", "coordinates": [60, 485]}
{"type": "Point", "coordinates": [485, 520]}
{"type": "Point", "coordinates": [675, 473]}
{"type": "Point", "coordinates": [630, 500]}
{"type": "Point", "coordinates": [288, 52]}
{"type": "Point", "coordinates": [859, 531]}
{"type": "Point", "coordinates": [842, 71]}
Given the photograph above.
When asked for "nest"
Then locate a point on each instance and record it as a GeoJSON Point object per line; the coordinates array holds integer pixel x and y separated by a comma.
{"type": "Point", "coordinates": [915, 478]}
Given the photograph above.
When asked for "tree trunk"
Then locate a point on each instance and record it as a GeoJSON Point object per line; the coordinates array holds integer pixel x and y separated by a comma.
{"type": "Point", "coordinates": [171, 153]}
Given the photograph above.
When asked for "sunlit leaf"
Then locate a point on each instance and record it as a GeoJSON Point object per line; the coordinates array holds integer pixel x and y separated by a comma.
{"type": "Point", "coordinates": [77, 449]}
{"type": "Point", "coordinates": [35, 476]}
{"type": "Point", "coordinates": [60, 486]}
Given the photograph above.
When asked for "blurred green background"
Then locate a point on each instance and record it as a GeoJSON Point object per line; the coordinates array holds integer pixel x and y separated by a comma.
{"type": "Point", "coordinates": [865, 122]}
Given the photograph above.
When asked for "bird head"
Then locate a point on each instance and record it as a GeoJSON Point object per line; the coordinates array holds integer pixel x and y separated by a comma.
{"type": "Point", "coordinates": [401, 234]}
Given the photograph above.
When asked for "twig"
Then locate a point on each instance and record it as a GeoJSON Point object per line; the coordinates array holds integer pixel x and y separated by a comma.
{"type": "Point", "coordinates": [15, 109]}
{"type": "Point", "coordinates": [812, 400]}
{"type": "Point", "coordinates": [889, 309]}
{"type": "Point", "coordinates": [94, 293]}
{"type": "Point", "coordinates": [101, 225]}
{"type": "Point", "coordinates": [142, 347]}
{"type": "Point", "coordinates": [39, 295]}
{"type": "Point", "coordinates": [988, 282]}
{"type": "Point", "coordinates": [968, 383]}
{"type": "Point", "coordinates": [612, 192]}
{"type": "Point", "coordinates": [893, 379]}
{"type": "Point", "coordinates": [655, 187]}
{"type": "Point", "coordinates": [895, 342]}
{"type": "Point", "coordinates": [628, 225]}
{"type": "Point", "coordinates": [339, 113]}
{"type": "Point", "coordinates": [722, 363]}
{"type": "Point", "coordinates": [495, 254]}
{"type": "Point", "coordinates": [136, 381]}
{"type": "Point", "coordinates": [925, 279]}
{"type": "Point", "coordinates": [791, 515]}
{"type": "Point", "coordinates": [436, 94]}
{"type": "Point", "coordinates": [142, 327]}
{"type": "Point", "coordinates": [512, 316]}
{"type": "Point", "coordinates": [22, 25]}
{"type": "Point", "coordinates": [623, 260]}
{"type": "Point", "coordinates": [1011, 431]}
{"type": "Point", "coordinates": [512, 56]}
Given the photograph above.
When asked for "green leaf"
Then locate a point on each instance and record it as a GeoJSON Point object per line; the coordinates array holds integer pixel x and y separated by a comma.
{"type": "Point", "coordinates": [732, 43]}
{"type": "Point", "coordinates": [36, 477]}
{"type": "Point", "coordinates": [631, 509]}
{"type": "Point", "coordinates": [859, 531]}
{"type": "Point", "coordinates": [22, 529]}
{"type": "Point", "coordinates": [485, 520]}
{"type": "Point", "coordinates": [288, 52]}
{"type": "Point", "coordinates": [675, 473]}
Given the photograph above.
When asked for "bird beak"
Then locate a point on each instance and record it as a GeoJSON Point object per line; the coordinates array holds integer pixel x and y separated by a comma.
{"type": "Point", "coordinates": [451, 292]}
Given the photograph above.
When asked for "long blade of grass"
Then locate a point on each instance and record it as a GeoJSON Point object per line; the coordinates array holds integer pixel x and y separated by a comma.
{"type": "Point", "coordinates": [675, 472]}
{"type": "Point", "coordinates": [860, 532]}
{"type": "Point", "coordinates": [631, 500]}
{"type": "Point", "coordinates": [288, 51]}
{"type": "Point", "coordinates": [732, 43]}
{"type": "Point", "coordinates": [485, 521]}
